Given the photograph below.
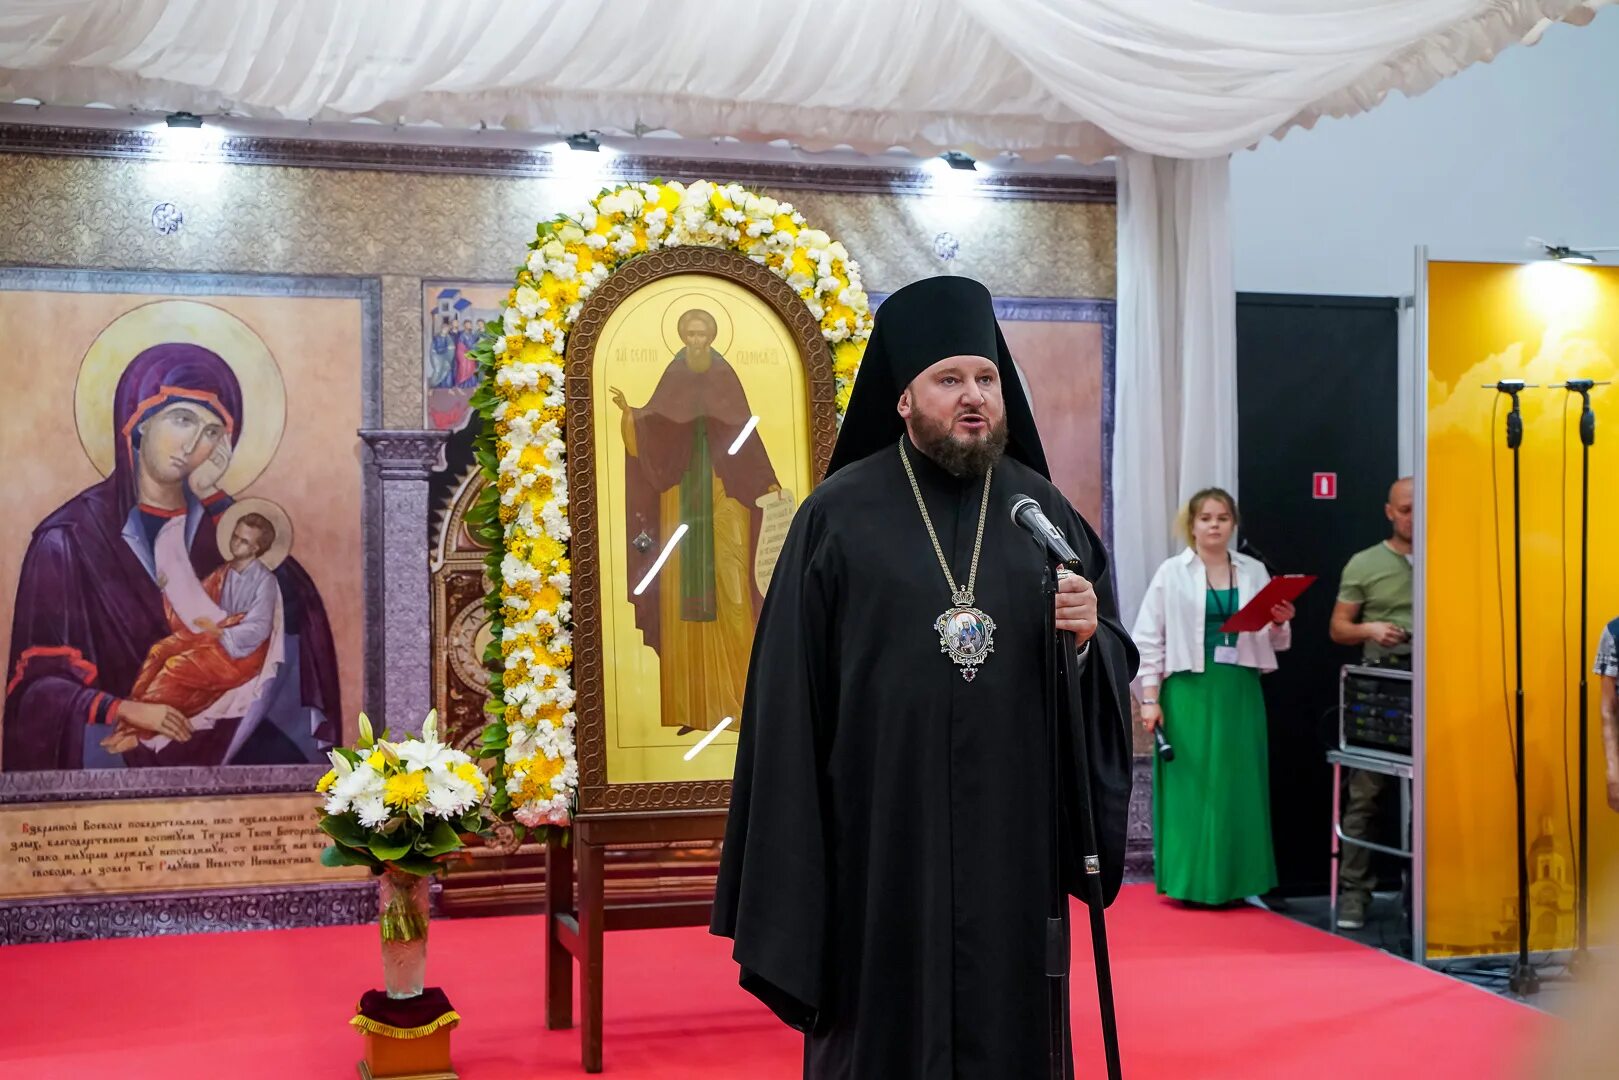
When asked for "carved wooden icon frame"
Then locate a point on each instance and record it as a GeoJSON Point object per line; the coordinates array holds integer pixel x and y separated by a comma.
{"type": "Point", "coordinates": [596, 794]}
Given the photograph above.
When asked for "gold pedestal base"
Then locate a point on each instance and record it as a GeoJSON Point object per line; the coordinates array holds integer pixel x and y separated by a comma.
{"type": "Point", "coordinates": [367, 1074]}
{"type": "Point", "coordinates": [427, 1058]}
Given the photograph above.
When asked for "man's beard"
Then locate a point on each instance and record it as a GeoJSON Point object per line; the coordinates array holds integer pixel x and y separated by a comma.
{"type": "Point", "coordinates": [959, 457]}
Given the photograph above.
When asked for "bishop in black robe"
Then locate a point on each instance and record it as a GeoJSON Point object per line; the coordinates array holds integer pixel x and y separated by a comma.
{"type": "Point", "coordinates": [886, 875]}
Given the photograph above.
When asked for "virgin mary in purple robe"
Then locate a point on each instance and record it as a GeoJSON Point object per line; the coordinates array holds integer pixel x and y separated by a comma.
{"type": "Point", "coordinates": [89, 607]}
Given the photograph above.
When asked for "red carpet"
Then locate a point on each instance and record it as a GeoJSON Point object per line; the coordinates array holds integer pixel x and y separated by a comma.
{"type": "Point", "coordinates": [1201, 994]}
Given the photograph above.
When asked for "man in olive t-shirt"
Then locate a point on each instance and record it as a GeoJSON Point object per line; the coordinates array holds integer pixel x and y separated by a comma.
{"type": "Point", "coordinates": [1374, 612]}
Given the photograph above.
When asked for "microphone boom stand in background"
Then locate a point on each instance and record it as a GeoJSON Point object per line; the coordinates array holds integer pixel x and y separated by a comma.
{"type": "Point", "coordinates": [1588, 429]}
{"type": "Point", "coordinates": [1524, 980]}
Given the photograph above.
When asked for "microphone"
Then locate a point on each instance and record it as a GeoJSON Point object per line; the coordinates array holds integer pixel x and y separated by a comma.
{"type": "Point", "coordinates": [1027, 515]}
{"type": "Point", "coordinates": [1244, 547]}
{"type": "Point", "coordinates": [1165, 751]}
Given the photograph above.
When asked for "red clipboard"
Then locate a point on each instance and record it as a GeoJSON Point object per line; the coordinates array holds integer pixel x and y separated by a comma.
{"type": "Point", "coordinates": [1255, 614]}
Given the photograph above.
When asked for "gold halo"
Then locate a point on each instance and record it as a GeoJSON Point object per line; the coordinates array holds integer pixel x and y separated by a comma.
{"type": "Point", "coordinates": [277, 516]}
{"type": "Point", "coordinates": [264, 395]}
{"type": "Point", "coordinates": [724, 331]}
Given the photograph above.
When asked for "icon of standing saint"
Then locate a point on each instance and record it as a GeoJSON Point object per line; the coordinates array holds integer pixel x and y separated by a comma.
{"type": "Point", "coordinates": [686, 464]}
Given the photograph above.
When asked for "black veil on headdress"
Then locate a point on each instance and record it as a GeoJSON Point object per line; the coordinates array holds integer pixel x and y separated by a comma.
{"type": "Point", "coordinates": [915, 328]}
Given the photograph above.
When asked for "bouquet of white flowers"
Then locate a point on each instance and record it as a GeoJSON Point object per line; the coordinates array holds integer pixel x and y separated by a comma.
{"type": "Point", "coordinates": [400, 804]}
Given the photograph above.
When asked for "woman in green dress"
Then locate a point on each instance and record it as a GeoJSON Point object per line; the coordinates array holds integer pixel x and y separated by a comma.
{"type": "Point", "coordinates": [1211, 806]}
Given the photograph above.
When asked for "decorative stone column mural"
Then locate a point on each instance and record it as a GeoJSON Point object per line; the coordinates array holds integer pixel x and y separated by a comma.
{"type": "Point", "coordinates": [403, 626]}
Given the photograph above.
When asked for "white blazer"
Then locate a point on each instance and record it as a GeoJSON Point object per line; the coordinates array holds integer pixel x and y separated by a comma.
{"type": "Point", "coordinates": [1169, 627]}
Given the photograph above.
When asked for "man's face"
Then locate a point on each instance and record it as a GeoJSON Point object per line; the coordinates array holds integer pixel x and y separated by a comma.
{"type": "Point", "coordinates": [246, 542]}
{"type": "Point", "coordinates": [177, 440]}
{"type": "Point", "coordinates": [1402, 496]}
{"type": "Point", "coordinates": [954, 412]}
{"type": "Point", "coordinates": [696, 335]}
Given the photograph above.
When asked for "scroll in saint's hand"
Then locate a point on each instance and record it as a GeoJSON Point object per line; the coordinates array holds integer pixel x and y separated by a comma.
{"type": "Point", "coordinates": [777, 509]}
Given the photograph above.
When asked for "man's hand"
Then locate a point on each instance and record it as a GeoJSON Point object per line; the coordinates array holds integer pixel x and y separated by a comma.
{"type": "Point", "coordinates": [1613, 792]}
{"type": "Point", "coordinates": [618, 398]}
{"type": "Point", "coordinates": [153, 719]}
{"type": "Point", "coordinates": [1385, 634]}
{"type": "Point", "coordinates": [1076, 607]}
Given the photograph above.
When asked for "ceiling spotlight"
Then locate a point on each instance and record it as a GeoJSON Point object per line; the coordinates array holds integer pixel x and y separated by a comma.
{"type": "Point", "coordinates": [1583, 256]}
{"type": "Point", "coordinates": [1569, 255]}
{"type": "Point", "coordinates": [958, 160]}
{"type": "Point", "coordinates": [583, 141]}
{"type": "Point", "coordinates": [184, 120]}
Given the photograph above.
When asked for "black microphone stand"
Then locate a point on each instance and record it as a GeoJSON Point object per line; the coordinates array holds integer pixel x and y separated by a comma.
{"type": "Point", "coordinates": [1060, 649]}
{"type": "Point", "coordinates": [1523, 980]}
{"type": "Point", "coordinates": [1588, 435]}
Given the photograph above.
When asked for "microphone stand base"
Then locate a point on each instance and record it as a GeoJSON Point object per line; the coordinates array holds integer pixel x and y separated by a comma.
{"type": "Point", "coordinates": [1524, 980]}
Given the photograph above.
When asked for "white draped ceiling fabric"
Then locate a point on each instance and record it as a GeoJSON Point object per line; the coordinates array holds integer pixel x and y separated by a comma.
{"type": "Point", "coordinates": [1146, 81]}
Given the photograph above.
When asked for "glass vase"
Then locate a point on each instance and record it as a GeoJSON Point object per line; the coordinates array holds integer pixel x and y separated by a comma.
{"type": "Point", "coordinates": [402, 901]}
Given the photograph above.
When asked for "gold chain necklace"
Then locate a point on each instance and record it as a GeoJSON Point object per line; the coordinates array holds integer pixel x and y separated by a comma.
{"type": "Point", "coordinates": [965, 632]}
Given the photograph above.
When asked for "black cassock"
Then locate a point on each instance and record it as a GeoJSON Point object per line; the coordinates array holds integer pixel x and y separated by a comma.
{"type": "Point", "coordinates": [885, 872]}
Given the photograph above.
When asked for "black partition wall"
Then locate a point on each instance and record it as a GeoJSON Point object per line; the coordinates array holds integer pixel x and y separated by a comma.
{"type": "Point", "coordinates": [1317, 392]}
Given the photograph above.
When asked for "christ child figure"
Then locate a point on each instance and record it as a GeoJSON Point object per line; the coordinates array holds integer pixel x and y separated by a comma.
{"type": "Point", "coordinates": [222, 627]}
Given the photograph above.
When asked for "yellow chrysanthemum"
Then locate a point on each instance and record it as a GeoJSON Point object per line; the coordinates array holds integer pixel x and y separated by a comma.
{"type": "Point", "coordinates": [473, 775]}
{"type": "Point", "coordinates": [547, 549]}
{"type": "Point", "coordinates": [537, 774]}
{"type": "Point", "coordinates": [536, 352]}
{"type": "Point", "coordinates": [840, 311]}
{"type": "Point", "coordinates": [404, 789]}
{"type": "Point", "coordinates": [324, 784]}
{"type": "Point", "coordinates": [550, 288]}
{"type": "Point", "coordinates": [526, 401]}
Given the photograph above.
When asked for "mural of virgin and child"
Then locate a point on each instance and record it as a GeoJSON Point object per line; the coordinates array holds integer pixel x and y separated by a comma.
{"type": "Point", "coordinates": [136, 640]}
